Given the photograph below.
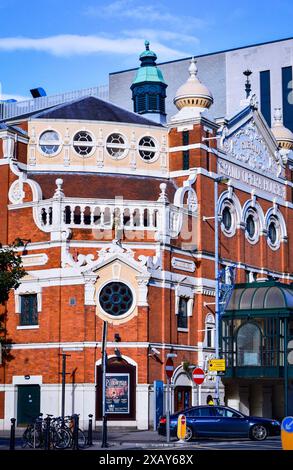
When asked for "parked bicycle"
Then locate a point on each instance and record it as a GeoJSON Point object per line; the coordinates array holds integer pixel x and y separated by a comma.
{"type": "Point", "coordinates": [59, 434]}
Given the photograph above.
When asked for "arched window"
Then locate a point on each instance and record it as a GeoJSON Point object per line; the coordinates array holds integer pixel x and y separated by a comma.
{"type": "Point", "coordinates": [249, 345]}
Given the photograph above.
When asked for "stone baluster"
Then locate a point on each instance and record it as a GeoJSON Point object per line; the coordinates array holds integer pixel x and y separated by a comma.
{"type": "Point", "coordinates": [72, 209]}
{"type": "Point", "coordinates": [82, 209]}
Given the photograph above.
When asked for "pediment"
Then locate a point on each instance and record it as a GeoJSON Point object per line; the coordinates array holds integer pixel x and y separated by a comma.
{"type": "Point", "coordinates": [247, 140]}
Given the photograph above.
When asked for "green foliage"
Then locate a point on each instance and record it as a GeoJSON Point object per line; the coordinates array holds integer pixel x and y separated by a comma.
{"type": "Point", "coordinates": [11, 271]}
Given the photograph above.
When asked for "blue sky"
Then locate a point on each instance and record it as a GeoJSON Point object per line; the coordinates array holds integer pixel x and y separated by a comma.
{"type": "Point", "coordinates": [64, 45]}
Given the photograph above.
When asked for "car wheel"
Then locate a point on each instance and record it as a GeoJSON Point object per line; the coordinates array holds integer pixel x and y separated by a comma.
{"type": "Point", "coordinates": [258, 432]}
{"type": "Point", "coordinates": [189, 434]}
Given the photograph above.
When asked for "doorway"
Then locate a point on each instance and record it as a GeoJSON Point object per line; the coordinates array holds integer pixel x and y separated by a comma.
{"type": "Point", "coordinates": [28, 403]}
{"type": "Point", "coordinates": [182, 398]}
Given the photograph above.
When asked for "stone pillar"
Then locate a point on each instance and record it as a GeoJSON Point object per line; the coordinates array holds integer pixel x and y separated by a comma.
{"type": "Point", "coordinates": [256, 399]}
{"type": "Point", "coordinates": [232, 395]}
{"type": "Point", "coordinates": [142, 406]}
{"type": "Point", "coordinates": [244, 399]}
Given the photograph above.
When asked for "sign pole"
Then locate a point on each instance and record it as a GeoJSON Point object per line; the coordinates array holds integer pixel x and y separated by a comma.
{"type": "Point", "coordinates": [104, 364]}
{"type": "Point", "coordinates": [168, 410]}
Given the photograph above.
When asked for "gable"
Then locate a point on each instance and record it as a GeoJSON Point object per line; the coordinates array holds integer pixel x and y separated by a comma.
{"type": "Point", "coordinates": [251, 155]}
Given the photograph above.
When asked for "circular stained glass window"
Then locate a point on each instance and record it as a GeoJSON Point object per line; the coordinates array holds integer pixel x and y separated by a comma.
{"type": "Point", "coordinates": [147, 148]}
{"type": "Point", "coordinates": [227, 218]}
{"type": "Point", "coordinates": [116, 298]}
{"type": "Point", "coordinates": [83, 143]}
{"type": "Point", "coordinates": [49, 142]}
{"type": "Point", "coordinates": [116, 146]}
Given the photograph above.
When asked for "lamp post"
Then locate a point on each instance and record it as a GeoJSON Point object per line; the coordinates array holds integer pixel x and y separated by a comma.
{"type": "Point", "coordinates": [219, 179]}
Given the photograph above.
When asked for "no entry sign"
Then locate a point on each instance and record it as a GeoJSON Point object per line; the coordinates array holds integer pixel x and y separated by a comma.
{"type": "Point", "coordinates": [169, 367]}
{"type": "Point", "coordinates": [198, 376]}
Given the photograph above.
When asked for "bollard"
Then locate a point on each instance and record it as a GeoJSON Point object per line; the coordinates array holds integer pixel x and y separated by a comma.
{"type": "Point", "coordinates": [90, 431]}
{"type": "Point", "coordinates": [75, 432]}
{"type": "Point", "coordinates": [47, 433]}
{"type": "Point", "coordinates": [12, 434]}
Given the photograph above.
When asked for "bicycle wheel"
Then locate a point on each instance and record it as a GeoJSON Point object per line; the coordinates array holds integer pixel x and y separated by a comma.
{"type": "Point", "coordinates": [81, 439]}
{"type": "Point", "coordinates": [62, 439]}
{"type": "Point", "coordinates": [27, 440]}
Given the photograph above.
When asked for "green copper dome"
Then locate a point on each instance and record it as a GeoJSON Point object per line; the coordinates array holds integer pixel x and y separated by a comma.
{"type": "Point", "coordinates": [149, 87]}
{"type": "Point", "coordinates": [148, 71]}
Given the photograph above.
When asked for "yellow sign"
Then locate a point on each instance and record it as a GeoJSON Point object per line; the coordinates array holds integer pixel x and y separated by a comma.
{"type": "Point", "coordinates": [181, 427]}
{"type": "Point", "coordinates": [217, 364]}
{"type": "Point", "coordinates": [287, 433]}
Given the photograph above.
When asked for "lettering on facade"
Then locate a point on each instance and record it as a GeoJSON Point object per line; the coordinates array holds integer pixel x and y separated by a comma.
{"type": "Point", "coordinates": [183, 265]}
{"type": "Point", "coordinates": [251, 178]}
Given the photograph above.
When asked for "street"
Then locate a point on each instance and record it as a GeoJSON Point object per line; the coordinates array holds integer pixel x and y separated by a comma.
{"type": "Point", "coordinates": [125, 439]}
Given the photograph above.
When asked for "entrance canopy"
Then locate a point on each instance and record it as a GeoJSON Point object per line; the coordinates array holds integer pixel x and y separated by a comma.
{"type": "Point", "coordinates": [261, 298]}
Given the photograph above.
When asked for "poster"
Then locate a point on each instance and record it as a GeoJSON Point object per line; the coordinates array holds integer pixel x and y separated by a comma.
{"type": "Point", "coordinates": [117, 393]}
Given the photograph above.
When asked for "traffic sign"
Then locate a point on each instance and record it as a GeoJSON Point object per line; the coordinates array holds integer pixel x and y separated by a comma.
{"type": "Point", "coordinates": [198, 375]}
{"type": "Point", "coordinates": [287, 433]}
{"type": "Point", "coordinates": [169, 367]}
{"type": "Point", "coordinates": [217, 365]}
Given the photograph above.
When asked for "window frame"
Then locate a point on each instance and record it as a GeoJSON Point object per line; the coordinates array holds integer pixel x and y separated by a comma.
{"type": "Point", "coordinates": [57, 142]}
{"type": "Point", "coordinates": [21, 313]}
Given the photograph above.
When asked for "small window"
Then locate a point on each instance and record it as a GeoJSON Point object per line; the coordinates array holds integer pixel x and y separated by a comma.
{"type": "Point", "coordinates": [227, 218]}
{"type": "Point", "coordinates": [272, 232]}
{"type": "Point", "coordinates": [147, 148]}
{"type": "Point", "coordinates": [182, 319]}
{"type": "Point", "coordinates": [116, 146]}
{"type": "Point", "coordinates": [250, 226]}
{"type": "Point", "coordinates": [210, 336]}
{"type": "Point", "coordinates": [49, 142]}
{"type": "Point", "coordinates": [83, 143]}
{"type": "Point", "coordinates": [28, 310]}
{"type": "Point", "coordinates": [116, 299]}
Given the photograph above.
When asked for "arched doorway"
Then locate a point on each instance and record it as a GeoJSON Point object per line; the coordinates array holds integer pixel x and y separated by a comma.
{"type": "Point", "coordinates": [120, 390]}
{"type": "Point", "coordinates": [182, 392]}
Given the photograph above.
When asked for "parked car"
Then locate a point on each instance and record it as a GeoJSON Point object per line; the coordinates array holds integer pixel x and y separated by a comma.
{"type": "Point", "coordinates": [221, 421]}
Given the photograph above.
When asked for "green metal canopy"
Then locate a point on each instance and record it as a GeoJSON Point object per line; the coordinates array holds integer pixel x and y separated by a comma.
{"type": "Point", "coordinates": [261, 298]}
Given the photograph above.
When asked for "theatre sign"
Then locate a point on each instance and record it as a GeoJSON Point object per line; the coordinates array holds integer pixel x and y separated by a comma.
{"type": "Point", "coordinates": [250, 160]}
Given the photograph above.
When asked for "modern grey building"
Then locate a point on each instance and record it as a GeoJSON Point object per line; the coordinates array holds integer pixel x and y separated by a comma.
{"type": "Point", "coordinates": [222, 72]}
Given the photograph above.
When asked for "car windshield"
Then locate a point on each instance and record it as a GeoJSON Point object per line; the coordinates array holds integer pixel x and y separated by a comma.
{"type": "Point", "coordinates": [227, 413]}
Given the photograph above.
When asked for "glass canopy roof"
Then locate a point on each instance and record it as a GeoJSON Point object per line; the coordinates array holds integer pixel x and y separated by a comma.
{"type": "Point", "coordinates": [262, 296]}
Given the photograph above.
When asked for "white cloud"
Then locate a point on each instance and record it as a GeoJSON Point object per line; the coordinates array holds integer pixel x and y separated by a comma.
{"type": "Point", "coordinates": [147, 13]}
{"type": "Point", "coordinates": [5, 96]}
{"type": "Point", "coordinates": [71, 44]}
{"type": "Point", "coordinates": [156, 35]}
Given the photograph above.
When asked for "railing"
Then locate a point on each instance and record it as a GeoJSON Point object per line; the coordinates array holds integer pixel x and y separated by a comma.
{"type": "Point", "coordinates": [10, 110]}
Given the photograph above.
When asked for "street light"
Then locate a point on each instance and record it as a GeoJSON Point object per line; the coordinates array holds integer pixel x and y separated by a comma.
{"type": "Point", "coordinates": [219, 179]}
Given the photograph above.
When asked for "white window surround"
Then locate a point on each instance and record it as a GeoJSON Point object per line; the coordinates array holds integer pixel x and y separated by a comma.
{"type": "Point", "coordinates": [58, 142]}
{"type": "Point", "coordinates": [28, 288]}
{"type": "Point", "coordinates": [232, 230]}
{"type": "Point", "coordinates": [124, 146]}
{"type": "Point", "coordinates": [187, 293]}
{"type": "Point", "coordinates": [84, 143]}
{"type": "Point", "coordinates": [154, 149]}
{"type": "Point", "coordinates": [275, 215]}
{"type": "Point", "coordinates": [209, 324]}
{"type": "Point", "coordinates": [27, 327]}
{"type": "Point", "coordinates": [251, 211]}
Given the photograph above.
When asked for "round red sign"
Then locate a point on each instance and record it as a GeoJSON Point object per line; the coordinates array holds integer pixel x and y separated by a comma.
{"type": "Point", "coordinates": [198, 376]}
{"type": "Point", "coordinates": [169, 367]}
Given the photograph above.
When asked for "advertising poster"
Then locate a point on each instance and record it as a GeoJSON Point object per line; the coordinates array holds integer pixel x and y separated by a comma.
{"type": "Point", "coordinates": [117, 393]}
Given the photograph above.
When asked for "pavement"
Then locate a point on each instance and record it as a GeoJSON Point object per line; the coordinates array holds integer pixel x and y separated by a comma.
{"type": "Point", "coordinates": [122, 439]}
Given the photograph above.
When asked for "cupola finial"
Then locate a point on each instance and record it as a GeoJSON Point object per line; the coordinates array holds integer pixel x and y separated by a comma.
{"type": "Point", "coordinates": [192, 69]}
{"type": "Point", "coordinates": [147, 45]}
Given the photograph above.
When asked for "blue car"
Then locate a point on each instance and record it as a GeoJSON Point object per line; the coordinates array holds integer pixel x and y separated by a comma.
{"type": "Point", "coordinates": [221, 421]}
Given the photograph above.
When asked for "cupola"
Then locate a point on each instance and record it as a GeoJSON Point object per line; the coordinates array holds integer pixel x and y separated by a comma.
{"type": "Point", "coordinates": [149, 88]}
{"type": "Point", "coordinates": [193, 93]}
{"type": "Point", "coordinates": [283, 136]}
